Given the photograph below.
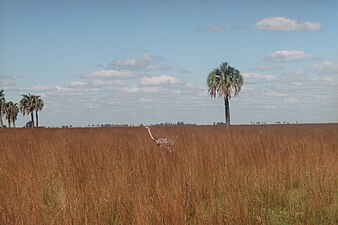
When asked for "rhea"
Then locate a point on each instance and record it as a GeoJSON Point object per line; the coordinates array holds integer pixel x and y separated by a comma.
{"type": "Point", "coordinates": [162, 142]}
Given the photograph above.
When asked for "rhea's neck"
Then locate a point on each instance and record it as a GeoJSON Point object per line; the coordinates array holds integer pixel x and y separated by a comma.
{"type": "Point", "coordinates": [150, 134]}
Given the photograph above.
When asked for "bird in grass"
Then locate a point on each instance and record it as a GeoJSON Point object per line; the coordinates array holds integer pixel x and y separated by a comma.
{"type": "Point", "coordinates": [162, 142]}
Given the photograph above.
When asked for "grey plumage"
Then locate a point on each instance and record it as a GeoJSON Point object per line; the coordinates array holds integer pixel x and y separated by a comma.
{"type": "Point", "coordinates": [162, 142]}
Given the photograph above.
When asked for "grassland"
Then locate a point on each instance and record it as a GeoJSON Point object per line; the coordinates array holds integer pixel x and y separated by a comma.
{"type": "Point", "coordinates": [282, 174]}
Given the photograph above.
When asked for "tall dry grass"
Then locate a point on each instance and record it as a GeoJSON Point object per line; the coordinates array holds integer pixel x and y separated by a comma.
{"type": "Point", "coordinates": [243, 175]}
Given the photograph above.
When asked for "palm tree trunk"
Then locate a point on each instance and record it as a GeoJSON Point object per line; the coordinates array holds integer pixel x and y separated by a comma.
{"type": "Point", "coordinates": [14, 123]}
{"type": "Point", "coordinates": [9, 122]}
{"type": "Point", "coordinates": [227, 111]}
{"type": "Point", "coordinates": [32, 115]}
{"type": "Point", "coordinates": [37, 119]}
{"type": "Point", "coordinates": [1, 115]}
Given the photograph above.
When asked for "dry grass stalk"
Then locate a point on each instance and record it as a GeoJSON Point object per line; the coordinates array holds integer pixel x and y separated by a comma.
{"type": "Point", "coordinates": [243, 175]}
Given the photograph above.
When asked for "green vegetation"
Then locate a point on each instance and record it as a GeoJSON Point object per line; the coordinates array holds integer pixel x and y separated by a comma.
{"type": "Point", "coordinates": [226, 81]}
{"type": "Point", "coordinates": [11, 111]}
{"type": "Point", "coordinates": [27, 105]}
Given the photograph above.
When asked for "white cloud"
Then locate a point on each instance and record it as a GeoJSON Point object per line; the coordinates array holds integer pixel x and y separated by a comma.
{"type": "Point", "coordinates": [288, 56]}
{"type": "Point", "coordinates": [258, 78]}
{"type": "Point", "coordinates": [291, 101]}
{"type": "Point", "coordinates": [158, 80]}
{"type": "Point", "coordinates": [41, 88]}
{"type": "Point", "coordinates": [296, 84]}
{"type": "Point", "coordinates": [312, 26]}
{"type": "Point", "coordinates": [269, 67]}
{"type": "Point", "coordinates": [247, 89]}
{"type": "Point", "coordinates": [77, 84]}
{"type": "Point", "coordinates": [109, 74]}
{"type": "Point", "coordinates": [145, 90]}
{"type": "Point", "coordinates": [211, 29]}
{"type": "Point", "coordinates": [131, 90]}
{"type": "Point", "coordinates": [286, 24]}
{"type": "Point", "coordinates": [329, 79]}
{"type": "Point", "coordinates": [326, 67]}
{"type": "Point", "coordinates": [276, 94]}
{"type": "Point", "coordinates": [214, 29]}
{"type": "Point", "coordinates": [146, 100]}
{"type": "Point", "coordinates": [126, 62]}
{"type": "Point", "coordinates": [147, 62]}
{"type": "Point", "coordinates": [60, 90]}
{"type": "Point", "coordinates": [102, 83]}
{"type": "Point", "coordinates": [11, 77]}
{"type": "Point", "coordinates": [7, 82]}
{"type": "Point", "coordinates": [147, 57]}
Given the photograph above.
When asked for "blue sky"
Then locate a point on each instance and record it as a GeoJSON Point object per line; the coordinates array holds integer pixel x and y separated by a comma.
{"type": "Point", "coordinates": [97, 62]}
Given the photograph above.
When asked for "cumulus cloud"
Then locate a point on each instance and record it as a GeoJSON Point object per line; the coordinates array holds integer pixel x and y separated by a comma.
{"type": "Point", "coordinates": [102, 83]}
{"type": "Point", "coordinates": [126, 62]}
{"type": "Point", "coordinates": [77, 87]}
{"type": "Point", "coordinates": [158, 80]}
{"type": "Point", "coordinates": [41, 88]}
{"type": "Point", "coordinates": [258, 78]}
{"type": "Point", "coordinates": [109, 74]}
{"type": "Point", "coordinates": [77, 84]}
{"type": "Point", "coordinates": [326, 67]}
{"type": "Point", "coordinates": [143, 90]}
{"type": "Point", "coordinates": [131, 90]}
{"type": "Point", "coordinates": [286, 24]}
{"type": "Point", "coordinates": [288, 56]}
{"type": "Point", "coordinates": [147, 62]}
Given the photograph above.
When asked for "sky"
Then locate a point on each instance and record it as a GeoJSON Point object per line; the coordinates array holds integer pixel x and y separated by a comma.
{"type": "Point", "coordinates": [146, 62]}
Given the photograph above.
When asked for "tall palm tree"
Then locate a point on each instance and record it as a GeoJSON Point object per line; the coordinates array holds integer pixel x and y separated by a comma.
{"type": "Point", "coordinates": [38, 107]}
{"type": "Point", "coordinates": [226, 81]}
{"type": "Point", "coordinates": [15, 113]}
{"type": "Point", "coordinates": [27, 106]}
{"type": "Point", "coordinates": [2, 104]}
{"type": "Point", "coordinates": [11, 111]}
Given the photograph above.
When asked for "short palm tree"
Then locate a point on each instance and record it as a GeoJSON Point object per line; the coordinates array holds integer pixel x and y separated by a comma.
{"type": "Point", "coordinates": [226, 81]}
{"type": "Point", "coordinates": [2, 105]}
{"type": "Point", "coordinates": [11, 111]}
{"type": "Point", "coordinates": [27, 106]}
{"type": "Point", "coordinates": [38, 107]}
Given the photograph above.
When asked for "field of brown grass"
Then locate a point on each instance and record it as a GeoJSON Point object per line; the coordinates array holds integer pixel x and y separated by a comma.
{"type": "Point", "coordinates": [278, 174]}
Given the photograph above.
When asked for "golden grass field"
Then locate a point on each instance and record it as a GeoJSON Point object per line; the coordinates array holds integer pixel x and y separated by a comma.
{"type": "Point", "coordinates": [272, 174]}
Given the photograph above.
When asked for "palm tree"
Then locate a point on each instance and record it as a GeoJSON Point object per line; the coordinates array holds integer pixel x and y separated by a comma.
{"type": "Point", "coordinates": [226, 81]}
{"type": "Point", "coordinates": [2, 104]}
{"type": "Point", "coordinates": [11, 111]}
{"type": "Point", "coordinates": [15, 113]}
{"type": "Point", "coordinates": [38, 107]}
{"type": "Point", "coordinates": [27, 106]}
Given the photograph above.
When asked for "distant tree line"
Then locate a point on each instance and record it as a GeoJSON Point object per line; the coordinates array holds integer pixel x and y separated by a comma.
{"type": "Point", "coordinates": [181, 123]}
{"type": "Point", "coordinates": [27, 106]}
